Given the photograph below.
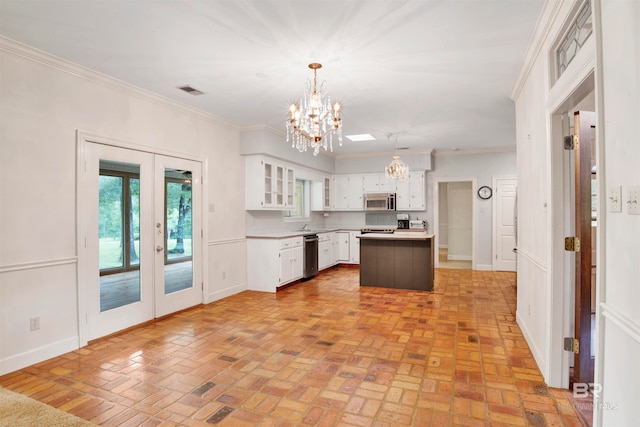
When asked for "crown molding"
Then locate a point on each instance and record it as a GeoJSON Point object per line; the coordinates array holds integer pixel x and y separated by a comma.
{"type": "Point", "coordinates": [491, 150]}
{"type": "Point", "coordinates": [30, 53]}
{"type": "Point", "coordinates": [409, 152]}
{"type": "Point", "coordinates": [548, 14]}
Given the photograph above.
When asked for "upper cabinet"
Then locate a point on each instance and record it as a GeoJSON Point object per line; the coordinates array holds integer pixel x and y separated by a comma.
{"type": "Point", "coordinates": [321, 194]}
{"type": "Point", "coordinates": [411, 192]}
{"type": "Point", "coordinates": [269, 184]}
{"type": "Point", "coordinates": [348, 193]}
{"type": "Point", "coordinates": [378, 183]}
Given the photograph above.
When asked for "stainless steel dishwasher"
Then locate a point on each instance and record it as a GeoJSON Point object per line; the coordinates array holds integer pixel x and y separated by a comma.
{"type": "Point", "coordinates": [310, 256]}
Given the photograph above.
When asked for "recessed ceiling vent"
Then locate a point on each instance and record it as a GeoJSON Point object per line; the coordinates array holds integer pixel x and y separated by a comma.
{"type": "Point", "coordinates": [190, 90]}
{"type": "Point", "coordinates": [402, 148]}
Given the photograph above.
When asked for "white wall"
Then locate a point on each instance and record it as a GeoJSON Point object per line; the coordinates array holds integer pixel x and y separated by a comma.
{"type": "Point", "coordinates": [43, 102]}
{"type": "Point", "coordinates": [618, 93]}
{"type": "Point", "coordinates": [482, 166]}
{"type": "Point", "coordinates": [443, 215]}
{"type": "Point", "coordinates": [460, 220]}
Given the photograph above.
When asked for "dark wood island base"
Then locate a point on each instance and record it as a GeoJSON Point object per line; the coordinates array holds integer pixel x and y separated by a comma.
{"type": "Point", "coordinates": [402, 260]}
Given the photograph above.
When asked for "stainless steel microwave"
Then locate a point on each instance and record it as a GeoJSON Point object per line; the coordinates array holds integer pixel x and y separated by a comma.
{"type": "Point", "coordinates": [380, 202]}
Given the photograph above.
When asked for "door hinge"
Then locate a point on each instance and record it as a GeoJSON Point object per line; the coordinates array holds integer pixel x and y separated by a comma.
{"type": "Point", "coordinates": [572, 244]}
{"type": "Point", "coordinates": [571, 344]}
{"type": "Point", "coordinates": [571, 142]}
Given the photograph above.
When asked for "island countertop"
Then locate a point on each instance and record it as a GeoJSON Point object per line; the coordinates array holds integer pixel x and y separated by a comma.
{"type": "Point", "coordinates": [401, 260]}
{"type": "Point", "coordinates": [398, 235]}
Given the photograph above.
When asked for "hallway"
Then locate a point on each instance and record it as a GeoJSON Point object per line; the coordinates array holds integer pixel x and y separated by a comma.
{"type": "Point", "coordinates": [321, 352]}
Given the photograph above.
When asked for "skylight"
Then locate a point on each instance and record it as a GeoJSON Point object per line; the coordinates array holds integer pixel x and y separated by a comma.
{"type": "Point", "coordinates": [361, 137]}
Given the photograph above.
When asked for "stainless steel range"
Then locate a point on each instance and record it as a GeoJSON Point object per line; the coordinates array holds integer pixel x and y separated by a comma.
{"type": "Point", "coordinates": [377, 230]}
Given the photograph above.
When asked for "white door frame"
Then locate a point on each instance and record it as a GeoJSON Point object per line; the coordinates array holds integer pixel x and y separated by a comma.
{"type": "Point", "coordinates": [436, 219]}
{"type": "Point", "coordinates": [82, 139]}
{"type": "Point", "coordinates": [560, 279]}
{"type": "Point", "coordinates": [495, 215]}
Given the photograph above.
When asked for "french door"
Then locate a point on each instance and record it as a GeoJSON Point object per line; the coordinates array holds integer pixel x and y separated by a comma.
{"type": "Point", "coordinates": [142, 251]}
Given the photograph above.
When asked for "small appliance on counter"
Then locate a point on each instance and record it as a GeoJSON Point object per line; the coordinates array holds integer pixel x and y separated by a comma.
{"type": "Point", "coordinates": [403, 221]}
{"type": "Point", "coordinates": [415, 224]}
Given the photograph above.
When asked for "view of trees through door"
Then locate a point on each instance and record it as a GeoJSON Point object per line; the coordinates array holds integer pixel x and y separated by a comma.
{"type": "Point", "coordinates": [119, 233]}
{"type": "Point", "coordinates": [178, 236]}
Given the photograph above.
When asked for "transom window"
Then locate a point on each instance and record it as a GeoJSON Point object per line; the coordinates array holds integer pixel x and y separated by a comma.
{"type": "Point", "coordinates": [577, 34]}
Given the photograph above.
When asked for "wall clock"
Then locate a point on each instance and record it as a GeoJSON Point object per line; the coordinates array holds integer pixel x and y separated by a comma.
{"type": "Point", "coordinates": [484, 192]}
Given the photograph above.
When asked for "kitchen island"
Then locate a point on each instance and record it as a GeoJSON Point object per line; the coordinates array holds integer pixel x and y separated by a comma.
{"type": "Point", "coordinates": [402, 260]}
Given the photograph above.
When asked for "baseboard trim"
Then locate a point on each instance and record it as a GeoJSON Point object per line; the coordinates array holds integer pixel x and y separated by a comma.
{"type": "Point", "coordinates": [37, 355]}
{"type": "Point", "coordinates": [226, 292]}
{"type": "Point", "coordinates": [484, 267]}
{"type": "Point", "coordinates": [458, 257]}
{"type": "Point", "coordinates": [535, 351]}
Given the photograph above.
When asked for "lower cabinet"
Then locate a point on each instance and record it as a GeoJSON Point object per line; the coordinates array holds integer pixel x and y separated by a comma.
{"type": "Point", "coordinates": [341, 246]}
{"type": "Point", "coordinates": [273, 262]}
{"type": "Point", "coordinates": [354, 247]}
{"type": "Point", "coordinates": [291, 265]}
{"type": "Point", "coordinates": [325, 251]}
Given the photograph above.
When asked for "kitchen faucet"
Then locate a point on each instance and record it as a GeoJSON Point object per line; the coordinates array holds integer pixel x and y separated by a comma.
{"type": "Point", "coordinates": [305, 228]}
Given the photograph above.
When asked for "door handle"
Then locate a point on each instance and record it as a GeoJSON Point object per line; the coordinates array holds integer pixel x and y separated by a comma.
{"type": "Point", "coordinates": [159, 248]}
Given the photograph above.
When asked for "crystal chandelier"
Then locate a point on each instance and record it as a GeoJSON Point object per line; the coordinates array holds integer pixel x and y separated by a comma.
{"type": "Point", "coordinates": [313, 122]}
{"type": "Point", "coordinates": [396, 169]}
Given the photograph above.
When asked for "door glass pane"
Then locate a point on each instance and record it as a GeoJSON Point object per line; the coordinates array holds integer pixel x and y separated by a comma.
{"type": "Point", "coordinates": [178, 269]}
{"type": "Point", "coordinates": [119, 231]}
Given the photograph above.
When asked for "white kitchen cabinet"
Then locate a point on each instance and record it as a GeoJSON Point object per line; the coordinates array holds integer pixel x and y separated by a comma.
{"type": "Point", "coordinates": [321, 195]}
{"type": "Point", "coordinates": [340, 188]}
{"type": "Point", "coordinates": [290, 188]}
{"type": "Point", "coordinates": [341, 246]}
{"type": "Point", "coordinates": [325, 251]}
{"type": "Point", "coordinates": [326, 193]}
{"type": "Point", "coordinates": [411, 192]}
{"type": "Point", "coordinates": [378, 183]}
{"type": "Point", "coordinates": [291, 265]}
{"type": "Point", "coordinates": [270, 184]}
{"type": "Point", "coordinates": [348, 193]}
{"type": "Point", "coordinates": [354, 247]}
{"type": "Point", "coordinates": [273, 262]}
{"type": "Point", "coordinates": [355, 192]}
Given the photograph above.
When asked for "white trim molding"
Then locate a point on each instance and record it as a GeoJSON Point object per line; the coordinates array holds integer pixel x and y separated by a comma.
{"type": "Point", "coordinates": [37, 355]}
{"type": "Point", "coordinates": [38, 264]}
{"type": "Point", "coordinates": [622, 321]}
{"type": "Point", "coordinates": [44, 58]}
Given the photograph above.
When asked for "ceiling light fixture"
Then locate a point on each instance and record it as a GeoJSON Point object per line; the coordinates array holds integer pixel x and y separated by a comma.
{"type": "Point", "coordinates": [314, 122]}
{"type": "Point", "coordinates": [396, 169]}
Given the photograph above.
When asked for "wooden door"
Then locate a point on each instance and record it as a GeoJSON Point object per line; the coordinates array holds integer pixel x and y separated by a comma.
{"type": "Point", "coordinates": [584, 125]}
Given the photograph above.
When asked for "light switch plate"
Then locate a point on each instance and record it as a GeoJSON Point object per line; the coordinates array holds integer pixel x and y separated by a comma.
{"type": "Point", "coordinates": [615, 199]}
{"type": "Point", "coordinates": [633, 200]}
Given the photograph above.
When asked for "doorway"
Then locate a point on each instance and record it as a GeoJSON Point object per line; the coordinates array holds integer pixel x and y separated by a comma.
{"type": "Point", "coordinates": [574, 178]}
{"type": "Point", "coordinates": [454, 222]}
{"type": "Point", "coordinates": [140, 222]}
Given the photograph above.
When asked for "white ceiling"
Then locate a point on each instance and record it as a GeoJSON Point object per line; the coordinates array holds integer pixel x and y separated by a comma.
{"type": "Point", "coordinates": [435, 72]}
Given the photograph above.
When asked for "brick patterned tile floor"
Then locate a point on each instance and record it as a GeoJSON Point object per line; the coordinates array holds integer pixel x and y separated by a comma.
{"type": "Point", "coordinates": [323, 352]}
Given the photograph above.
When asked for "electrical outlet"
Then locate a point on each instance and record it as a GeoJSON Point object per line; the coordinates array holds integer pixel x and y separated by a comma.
{"type": "Point", "coordinates": [224, 275]}
{"type": "Point", "coordinates": [615, 199]}
{"type": "Point", "coordinates": [633, 200]}
{"type": "Point", "coordinates": [34, 324]}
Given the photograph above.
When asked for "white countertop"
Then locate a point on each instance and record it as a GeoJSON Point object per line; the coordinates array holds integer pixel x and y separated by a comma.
{"type": "Point", "coordinates": [295, 233]}
{"type": "Point", "coordinates": [398, 235]}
